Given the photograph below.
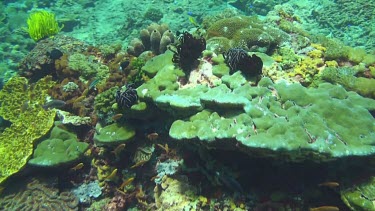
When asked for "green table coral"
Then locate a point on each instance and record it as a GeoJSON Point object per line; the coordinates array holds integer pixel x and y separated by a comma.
{"type": "Point", "coordinates": [361, 197]}
{"type": "Point", "coordinates": [114, 134]}
{"type": "Point", "coordinates": [270, 120]}
{"type": "Point", "coordinates": [21, 104]}
{"type": "Point", "coordinates": [345, 76]}
{"type": "Point", "coordinates": [60, 148]}
{"type": "Point", "coordinates": [287, 120]}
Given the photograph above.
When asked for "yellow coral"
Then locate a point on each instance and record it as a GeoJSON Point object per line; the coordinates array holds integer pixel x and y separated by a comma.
{"type": "Point", "coordinates": [278, 58]}
{"type": "Point", "coordinates": [22, 105]}
{"type": "Point", "coordinates": [42, 24]}
{"type": "Point", "coordinates": [332, 63]}
{"type": "Point", "coordinates": [317, 52]}
{"type": "Point", "coordinates": [307, 68]}
{"type": "Point", "coordinates": [318, 47]}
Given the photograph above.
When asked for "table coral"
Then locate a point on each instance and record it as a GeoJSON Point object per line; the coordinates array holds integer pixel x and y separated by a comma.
{"type": "Point", "coordinates": [360, 196]}
{"type": "Point", "coordinates": [114, 134]}
{"type": "Point", "coordinates": [60, 148]}
{"type": "Point", "coordinates": [268, 120]}
{"type": "Point", "coordinates": [270, 123]}
{"type": "Point", "coordinates": [345, 77]}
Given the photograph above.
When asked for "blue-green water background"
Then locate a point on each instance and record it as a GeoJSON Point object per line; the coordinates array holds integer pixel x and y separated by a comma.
{"type": "Point", "coordinates": [104, 22]}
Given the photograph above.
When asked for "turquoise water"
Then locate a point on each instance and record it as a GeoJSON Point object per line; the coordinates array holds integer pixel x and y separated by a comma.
{"type": "Point", "coordinates": [187, 105]}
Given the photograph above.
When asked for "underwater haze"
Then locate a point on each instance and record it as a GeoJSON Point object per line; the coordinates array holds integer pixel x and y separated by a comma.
{"type": "Point", "coordinates": [187, 105]}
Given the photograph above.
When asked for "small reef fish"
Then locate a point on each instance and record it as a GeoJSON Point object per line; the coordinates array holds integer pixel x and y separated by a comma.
{"type": "Point", "coordinates": [152, 136]}
{"type": "Point", "coordinates": [230, 182]}
{"type": "Point", "coordinates": [124, 65]}
{"type": "Point", "coordinates": [112, 175]}
{"type": "Point", "coordinates": [193, 21]}
{"type": "Point", "coordinates": [54, 104]}
{"type": "Point", "coordinates": [165, 147]}
{"type": "Point", "coordinates": [94, 83]}
{"type": "Point", "coordinates": [77, 167]}
{"type": "Point", "coordinates": [84, 93]}
{"type": "Point", "coordinates": [78, 99]}
{"type": "Point", "coordinates": [119, 149]}
{"type": "Point", "coordinates": [117, 117]}
{"type": "Point", "coordinates": [126, 182]}
{"type": "Point", "coordinates": [329, 184]}
{"type": "Point", "coordinates": [140, 163]}
{"type": "Point", "coordinates": [324, 208]}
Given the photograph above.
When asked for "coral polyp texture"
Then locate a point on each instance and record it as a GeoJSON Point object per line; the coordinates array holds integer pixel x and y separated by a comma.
{"type": "Point", "coordinates": [62, 147]}
{"type": "Point", "coordinates": [269, 120]}
{"type": "Point", "coordinates": [40, 196]}
{"type": "Point", "coordinates": [245, 32]}
{"type": "Point", "coordinates": [23, 108]}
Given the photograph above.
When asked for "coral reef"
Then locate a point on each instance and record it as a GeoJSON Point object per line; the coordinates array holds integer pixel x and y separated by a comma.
{"type": "Point", "coordinates": [168, 167]}
{"type": "Point", "coordinates": [114, 134]}
{"type": "Point", "coordinates": [360, 196]}
{"type": "Point", "coordinates": [155, 38]}
{"type": "Point", "coordinates": [174, 193]}
{"type": "Point", "coordinates": [246, 32]}
{"type": "Point", "coordinates": [61, 147]}
{"type": "Point", "coordinates": [40, 196]}
{"type": "Point", "coordinates": [68, 118]}
{"type": "Point", "coordinates": [104, 102]}
{"type": "Point", "coordinates": [29, 122]}
{"type": "Point", "coordinates": [251, 113]}
{"type": "Point", "coordinates": [337, 19]}
{"type": "Point", "coordinates": [38, 63]}
{"type": "Point", "coordinates": [197, 129]}
{"type": "Point", "coordinates": [345, 77]}
{"type": "Point", "coordinates": [88, 191]}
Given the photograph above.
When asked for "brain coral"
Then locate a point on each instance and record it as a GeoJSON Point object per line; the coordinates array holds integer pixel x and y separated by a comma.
{"type": "Point", "coordinates": [39, 196]}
